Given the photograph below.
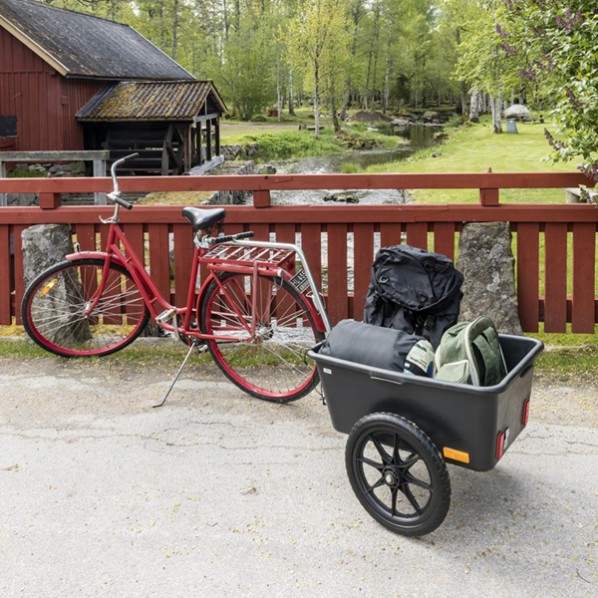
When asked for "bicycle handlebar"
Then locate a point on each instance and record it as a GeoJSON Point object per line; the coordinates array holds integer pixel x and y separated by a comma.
{"type": "Point", "coordinates": [115, 165]}
{"type": "Point", "coordinates": [116, 198]}
{"type": "Point", "coordinates": [226, 238]}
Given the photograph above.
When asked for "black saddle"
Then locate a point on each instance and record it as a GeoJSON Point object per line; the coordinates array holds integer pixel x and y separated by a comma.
{"type": "Point", "coordinates": [201, 219]}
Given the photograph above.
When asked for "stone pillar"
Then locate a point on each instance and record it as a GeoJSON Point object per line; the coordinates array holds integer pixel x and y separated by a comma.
{"type": "Point", "coordinates": [43, 246]}
{"type": "Point", "coordinates": [487, 263]}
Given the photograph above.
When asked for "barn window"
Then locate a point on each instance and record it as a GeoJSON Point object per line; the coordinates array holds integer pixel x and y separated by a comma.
{"type": "Point", "coordinates": [8, 126]}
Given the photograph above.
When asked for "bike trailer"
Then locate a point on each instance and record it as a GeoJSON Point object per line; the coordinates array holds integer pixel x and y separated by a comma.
{"type": "Point", "coordinates": [404, 428]}
{"type": "Point", "coordinates": [472, 426]}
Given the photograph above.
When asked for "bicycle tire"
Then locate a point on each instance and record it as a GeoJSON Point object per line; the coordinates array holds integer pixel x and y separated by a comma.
{"type": "Point", "coordinates": [272, 365]}
{"type": "Point", "coordinates": [398, 474]}
{"type": "Point", "coordinates": [54, 304]}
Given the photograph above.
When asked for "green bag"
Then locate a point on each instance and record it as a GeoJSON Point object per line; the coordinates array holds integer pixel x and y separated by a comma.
{"type": "Point", "coordinates": [470, 353]}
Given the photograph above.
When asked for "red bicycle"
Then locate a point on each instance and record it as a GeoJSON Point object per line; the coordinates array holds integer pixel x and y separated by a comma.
{"type": "Point", "coordinates": [257, 310]}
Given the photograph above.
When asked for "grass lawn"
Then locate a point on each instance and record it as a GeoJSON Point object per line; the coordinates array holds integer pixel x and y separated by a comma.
{"type": "Point", "coordinates": [474, 148]}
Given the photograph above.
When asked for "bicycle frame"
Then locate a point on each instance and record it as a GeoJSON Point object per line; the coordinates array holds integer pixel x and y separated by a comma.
{"type": "Point", "coordinates": [161, 310]}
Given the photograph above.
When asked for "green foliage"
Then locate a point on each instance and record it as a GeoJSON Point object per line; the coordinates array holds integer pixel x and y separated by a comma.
{"type": "Point", "coordinates": [245, 77]}
{"type": "Point", "coordinates": [558, 42]}
{"type": "Point", "coordinates": [383, 54]}
{"type": "Point", "coordinates": [297, 144]}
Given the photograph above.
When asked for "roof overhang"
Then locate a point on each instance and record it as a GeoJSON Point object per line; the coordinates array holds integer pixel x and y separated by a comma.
{"type": "Point", "coordinates": [33, 46]}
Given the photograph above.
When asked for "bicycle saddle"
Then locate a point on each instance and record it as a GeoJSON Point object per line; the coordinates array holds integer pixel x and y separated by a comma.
{"type": "Point", "coordinates": [201, 219]}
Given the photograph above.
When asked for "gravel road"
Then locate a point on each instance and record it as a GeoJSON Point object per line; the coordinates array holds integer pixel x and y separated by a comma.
{"type": "Point", "coordinates": [217, 494]}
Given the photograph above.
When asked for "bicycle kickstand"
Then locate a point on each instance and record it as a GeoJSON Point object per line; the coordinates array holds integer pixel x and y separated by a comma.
{"type": "Point", "coordinates": [193, 345]}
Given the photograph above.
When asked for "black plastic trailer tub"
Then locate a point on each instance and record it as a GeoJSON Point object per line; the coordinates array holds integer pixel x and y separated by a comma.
{"type": "Point", "coordinates": [402, 428]}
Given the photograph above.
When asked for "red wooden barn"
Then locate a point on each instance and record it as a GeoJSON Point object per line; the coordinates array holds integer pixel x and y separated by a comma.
{"type": "Point", "coordinates": [58, 70]}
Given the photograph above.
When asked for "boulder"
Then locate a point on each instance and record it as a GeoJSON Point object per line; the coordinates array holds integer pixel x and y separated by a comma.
{"type": "Point", "coordinates": [43, 246]}
{"type": "Point", "coordinates": [430, 116]}
{"type": "Point", "coordinates": [342, 197]}
{"type": "Point", "coordinates": [266, 169]}
{"type": "Point", "coordinates": [487, 264]}
{"type": "Point", "coordinates": [518, 111]}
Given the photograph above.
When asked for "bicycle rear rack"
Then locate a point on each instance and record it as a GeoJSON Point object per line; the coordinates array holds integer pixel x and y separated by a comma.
{"type": "Point", "coordinates": [247, 255]}
{"type": "Point", "coordinates": [278, 255]}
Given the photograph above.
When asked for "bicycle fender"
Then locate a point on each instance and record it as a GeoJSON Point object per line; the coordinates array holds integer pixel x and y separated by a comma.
{"type": "Point", "coordinates": [98, 255]}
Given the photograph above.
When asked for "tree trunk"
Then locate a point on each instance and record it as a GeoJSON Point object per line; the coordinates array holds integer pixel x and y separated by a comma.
{"type": "Point", "coordinates": [474, 106]}
{"type": "Point", "coordinates": [496, 105]}
{"type": "Point", "coordinates": [278, 90]}
{"type": "Point", "coordinates": [346, 98]}
{"type": "Point", "coordinates": [175, 29]}
{"type": "Point", "coordinates": [317, 100]}
{"type": "Point", "coordinates": [387, 76]}
{"type": "Point", "coordinates": [335, 121]}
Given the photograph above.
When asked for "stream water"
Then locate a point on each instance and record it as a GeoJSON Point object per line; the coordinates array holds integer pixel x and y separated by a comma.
{"type": "Point", "coordinates": [419, 136]}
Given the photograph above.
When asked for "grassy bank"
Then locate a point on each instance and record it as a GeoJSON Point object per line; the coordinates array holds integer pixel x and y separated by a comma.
{"type": "Point", "coordinates": [474, 148]}
{"type": "Point", "coordinates": [290, 138]}
{"type": "Point", "coordinates": [567, 356]}
{"type": "Point", "coordinates": [468, 148]}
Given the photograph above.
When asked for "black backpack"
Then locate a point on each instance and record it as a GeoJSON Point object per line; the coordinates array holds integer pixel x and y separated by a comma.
{"type": "Point", "coordinates": [413, 290]}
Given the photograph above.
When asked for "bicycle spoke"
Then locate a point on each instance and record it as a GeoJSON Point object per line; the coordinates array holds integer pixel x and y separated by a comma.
{"type": "Point", "coordinates": [272, 328]}
{"type": "Point", "coordinates": [56, 311]}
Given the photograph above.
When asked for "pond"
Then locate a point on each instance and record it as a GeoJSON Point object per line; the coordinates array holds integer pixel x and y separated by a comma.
{"type": "Point", "coordinates": [419, 136]}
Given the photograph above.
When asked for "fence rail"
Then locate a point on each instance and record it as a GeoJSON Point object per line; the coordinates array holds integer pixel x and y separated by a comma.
{"type": "Point", "coordinates": [554, 245]}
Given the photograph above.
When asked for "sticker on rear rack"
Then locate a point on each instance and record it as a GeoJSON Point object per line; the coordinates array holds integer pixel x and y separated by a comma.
{"type": "Point", "coordinates": [300, 281]}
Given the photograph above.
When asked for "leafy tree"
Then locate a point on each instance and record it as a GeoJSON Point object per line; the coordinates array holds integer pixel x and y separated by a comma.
{"type": "Point", "coordinates": [557, 41]}
{"type": "Point", "coordinates": [111, 9]}
{"type": "Point", "coordinates": [245, 74]}
{"type": "Point", "coordinates": [481, 59]}
{"type": "Point", "coordinates": [319, 44]}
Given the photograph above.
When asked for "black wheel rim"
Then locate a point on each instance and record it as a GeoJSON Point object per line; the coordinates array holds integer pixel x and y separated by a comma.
{"type": "Point", "coordinates": [393, 476]}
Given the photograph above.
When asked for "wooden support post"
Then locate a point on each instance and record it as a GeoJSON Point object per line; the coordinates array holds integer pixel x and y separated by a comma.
{"type": "Point", "coordinates": [208, 140]}
{"type": "Point", "coordinates": [49, 201]}
{"type": "Point", "coordinates": [99, 169]}
{"type": "Point", "coordinates": [489, 197]}
{"type": "Point", "coordinates": [217, 135]}
{"type": "Point", "coordinates": [3, 196]}
{"type": "Point", "coordinates": [261, 199]}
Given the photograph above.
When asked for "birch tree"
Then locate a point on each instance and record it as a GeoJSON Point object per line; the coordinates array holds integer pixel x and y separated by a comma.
{"type": "Point", "coordinates": [319, 44]}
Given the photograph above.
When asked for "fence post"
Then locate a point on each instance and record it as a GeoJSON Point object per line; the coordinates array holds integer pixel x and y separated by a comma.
{"type": "Point", "coordinates": [3, 196]}
{"type": "Point", "coordinates": [261, 199]}
{"type": "Point", "coordinates": [99, 169]}
{"type": "Point", "coordinates": [489, 197]}
{"type": "Point", "coordinates": [50, 201]}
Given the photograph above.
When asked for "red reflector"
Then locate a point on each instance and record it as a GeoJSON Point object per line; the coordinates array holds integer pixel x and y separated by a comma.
{"type": "Point", "coordinates": [525, 414]}
{"type": "Point", "coordinates": [500, 444]}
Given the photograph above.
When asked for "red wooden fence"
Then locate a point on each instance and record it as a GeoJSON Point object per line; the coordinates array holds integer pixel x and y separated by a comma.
{"type": "Point", "coordinates": [554, 245]}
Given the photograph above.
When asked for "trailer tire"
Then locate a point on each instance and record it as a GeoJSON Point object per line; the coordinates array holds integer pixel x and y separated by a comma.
{"type": "Point", "coordinates": [398, 474]}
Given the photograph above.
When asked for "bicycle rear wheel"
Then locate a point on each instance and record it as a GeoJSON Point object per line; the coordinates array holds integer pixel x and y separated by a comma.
{"type": "Point", "coordinates": [269, 362]}
{"type": "Point", "coordinates": [55, 309]}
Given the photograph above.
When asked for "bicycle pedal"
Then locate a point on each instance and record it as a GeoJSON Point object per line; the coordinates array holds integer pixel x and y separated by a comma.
{"type": "Point", "coordinates": [166, 315]}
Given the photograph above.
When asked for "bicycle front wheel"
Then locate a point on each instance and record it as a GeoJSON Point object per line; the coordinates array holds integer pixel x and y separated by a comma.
{"type": "Point", "coordinates": [64, 312]}
{"type": "Point", "coordinates": [261, 336]}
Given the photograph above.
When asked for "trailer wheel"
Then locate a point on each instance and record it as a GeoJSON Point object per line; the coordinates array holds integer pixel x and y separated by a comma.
{"type": "Point", "coordinates": [398, 474]}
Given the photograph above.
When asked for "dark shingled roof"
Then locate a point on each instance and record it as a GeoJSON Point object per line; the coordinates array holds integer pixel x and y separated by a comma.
{"type": "Point", "coordinates": [81, 45]}
{"type": "Point", "coordinates": [151, 100]}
